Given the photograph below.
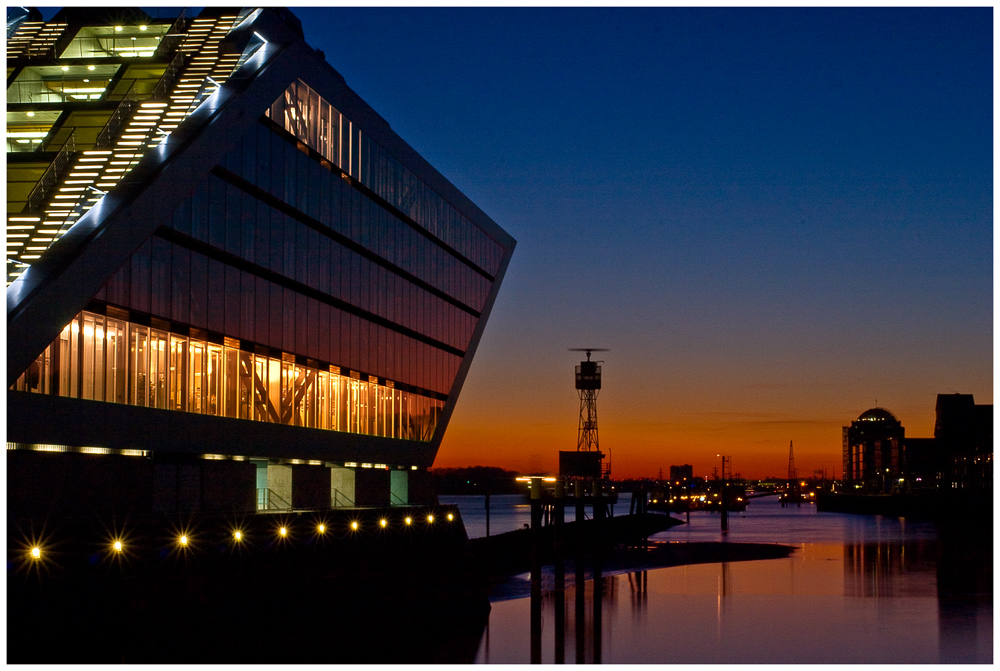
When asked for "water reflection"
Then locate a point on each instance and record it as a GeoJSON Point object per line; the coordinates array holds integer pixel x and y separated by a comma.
{"type": "Point", "coordinates": [828, 603]}
{"type": "Point", "coordinates": [882, 570]}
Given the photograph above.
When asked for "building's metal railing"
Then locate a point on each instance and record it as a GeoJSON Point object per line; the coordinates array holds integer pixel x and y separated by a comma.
{"type": "Point", "coordinates": [171, 39]}
{"type": "Point", "coordinates": [118, 117]}
{"type": "Point", "coordinates": [50, 178]}
{"type": "Point", "coordinates": [268, 499]}
{"type": "Point", "coordinates": [169, 76]}
{"type": "Point", "coordinates": [341, 500]}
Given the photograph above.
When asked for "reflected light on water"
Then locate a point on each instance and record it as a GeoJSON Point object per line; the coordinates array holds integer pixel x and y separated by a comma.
{"type": "Point", "coordinates": [809, 608]}
{"type": "Point", "coordinates": [857, 590]}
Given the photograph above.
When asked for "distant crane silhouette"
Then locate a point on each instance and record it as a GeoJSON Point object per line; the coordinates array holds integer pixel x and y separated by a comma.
{"type": "Point", "coordinates": [792, 492]}
{"type": "Point", "coordinates": [791, 463]}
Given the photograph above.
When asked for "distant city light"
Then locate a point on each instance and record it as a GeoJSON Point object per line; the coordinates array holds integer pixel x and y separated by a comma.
{"type": "Point", "coordinates": [430, 519]}
{"type": "Point", "coordinates": [36, 552]}
{"type": "Point", "coordinates": [383, 522]}
{"type": "Point", "coordinates": [450, 517]}
{"type": "Point", "coordinates": [409, 520]}
{"type": "Point", "coordinates": [238, 535]}
{"type": "Point", "coordinates": [354, 525]}
{"type": "Point", "coordinates": [283, 531]}
{"type": "Point", "coordinates": [184, 540]}
{"type": "Point", "coordinates": [321, 528]}
{"type": "Point", "coordinates": [118, 546]}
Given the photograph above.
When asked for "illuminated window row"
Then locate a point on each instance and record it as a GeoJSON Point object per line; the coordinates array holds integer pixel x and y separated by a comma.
{"type": "Point", "coordinates": [104, 359]}
{"type": "Point", "coordinates": [171, 281]}
{"type": "Point", "coordinates": [38, 447]}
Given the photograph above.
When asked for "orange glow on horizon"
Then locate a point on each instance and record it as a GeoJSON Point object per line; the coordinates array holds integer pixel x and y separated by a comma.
{"type": "Point", "coordinates": [757, 441]}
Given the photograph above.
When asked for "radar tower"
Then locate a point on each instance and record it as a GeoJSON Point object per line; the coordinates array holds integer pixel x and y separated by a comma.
{"type": "Point", "coordinates": [588, 385]}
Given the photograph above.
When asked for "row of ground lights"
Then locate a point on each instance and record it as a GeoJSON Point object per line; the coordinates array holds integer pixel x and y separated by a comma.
{"type": "Point", "coordinates": [184, 539]}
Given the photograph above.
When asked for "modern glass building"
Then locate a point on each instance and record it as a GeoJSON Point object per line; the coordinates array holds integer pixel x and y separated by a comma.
{"type": "Point", "coordinates": [230, 284]}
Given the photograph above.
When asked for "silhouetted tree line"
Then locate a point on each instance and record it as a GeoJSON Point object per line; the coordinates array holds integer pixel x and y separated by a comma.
{"type": "Point", "coordinates": [476, 480]}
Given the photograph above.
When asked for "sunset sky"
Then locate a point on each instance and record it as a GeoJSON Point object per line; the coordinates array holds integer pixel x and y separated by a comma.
{"type": "Point", "coordinates": [773, 218]}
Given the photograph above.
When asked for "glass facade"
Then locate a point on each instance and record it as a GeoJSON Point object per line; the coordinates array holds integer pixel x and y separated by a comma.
{"type": "Point", "coordinates": [101, 358]}
{"type": "Point", "coordinates": [308, 278]}
{"type": "Point", "coordinates": [305, 114]}
{"type": "Point", "coordinates": [124, 41]}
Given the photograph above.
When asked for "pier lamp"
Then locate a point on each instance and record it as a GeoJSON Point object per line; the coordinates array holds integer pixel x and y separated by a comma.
{"type": "Point", "coordinates": [36, 552]}
{"type": "Point", "coordinates": [117, 546]}
{"type": "Point", "coordinates": [354, 526]}
{"type": "Point", "coordinates": [383, 522]}
{"type": "Point", "coordinates": [321, 528]}
{"type": "Point", "coordinates": [238, 535]}
{"type": "Point", "coordinates": [283, 531]}
{"type": "Point", "coordinates": [183, 540]}
{"type": "Point", "coordinates": [430, 519]}
{"type": "Point", "coordinates": [451, 517]}
{"type": "Point", "coordinates": [409, 521]}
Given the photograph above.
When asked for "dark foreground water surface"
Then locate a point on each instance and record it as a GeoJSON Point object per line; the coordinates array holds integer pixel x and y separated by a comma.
{"type": "Point", "coordinates": [858, 589]}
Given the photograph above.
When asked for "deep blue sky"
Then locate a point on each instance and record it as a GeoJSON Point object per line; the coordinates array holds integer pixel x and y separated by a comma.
{"type": "Point", "coordinates": [773, 217]}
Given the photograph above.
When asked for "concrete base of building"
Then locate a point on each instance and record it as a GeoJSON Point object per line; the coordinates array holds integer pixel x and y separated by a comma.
{"type": "Point", "coordinates": [42, 484]}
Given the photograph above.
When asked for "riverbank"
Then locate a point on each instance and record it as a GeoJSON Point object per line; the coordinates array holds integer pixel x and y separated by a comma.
{"type": "Point", "coordinates": [658, 554]}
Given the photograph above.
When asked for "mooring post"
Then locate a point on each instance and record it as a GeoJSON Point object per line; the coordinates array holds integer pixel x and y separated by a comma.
{"type": "Point", "coordinates": [578, 493]}
{"type": "Point", "coordinates": [560, 571]}
{"type": "Point", "coordinates": [536, 503]}
{"type": "Point", "coordinates": [487, 514]}
{"type": "Point", "coordinates": [536, 570]}
{"type": "Point", "coordinates": [725, 510]}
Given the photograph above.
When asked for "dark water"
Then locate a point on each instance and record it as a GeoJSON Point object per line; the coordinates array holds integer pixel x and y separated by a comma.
{"type": "Point", "coordinates": [858, 589]}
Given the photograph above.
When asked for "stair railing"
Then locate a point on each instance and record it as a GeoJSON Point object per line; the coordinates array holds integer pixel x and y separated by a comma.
{"type": "Point", "coordinates": [50, 178]}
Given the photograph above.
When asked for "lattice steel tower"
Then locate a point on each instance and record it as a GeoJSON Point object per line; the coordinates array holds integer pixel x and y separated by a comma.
{"type": "Point", "coordinates": [588, 384]}
{"type": "Point", "coordinates": [791, 465]}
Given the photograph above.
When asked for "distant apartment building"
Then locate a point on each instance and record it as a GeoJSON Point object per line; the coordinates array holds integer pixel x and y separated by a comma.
{"type": "Point", "coordinates": [231, 285]}
{"type": "Point", "coordinates": [683, 473]}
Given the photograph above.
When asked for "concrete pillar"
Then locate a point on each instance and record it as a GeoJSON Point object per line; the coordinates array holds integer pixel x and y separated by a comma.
{"type": "Point", "coordinates": [341, 487]}
{"type": "Point", "coordinates": [371, 487]}
{"type": "Point", "coordinates": [312, 486]}
{"type": "Point", "coordinates": [228, 486]}
{"type": "Point", "coordinates": [399, 490]}
{"type": "Point", "coordinates": [165, 488]}
{"type": "Point", "coordinates": [279, 481]}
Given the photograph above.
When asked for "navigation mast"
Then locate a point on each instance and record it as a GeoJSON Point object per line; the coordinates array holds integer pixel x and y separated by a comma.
{"type": "Point", "coordinates": [588, 386]}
